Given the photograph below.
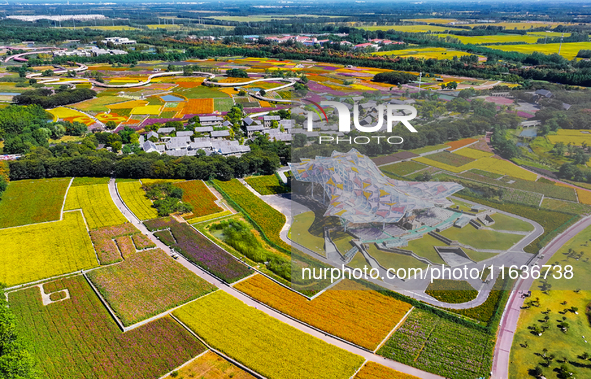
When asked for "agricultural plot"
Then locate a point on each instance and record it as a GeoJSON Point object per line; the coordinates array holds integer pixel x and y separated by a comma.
{"type": "Point", "coordinates": [548, 190]}
{"type": "Point", "coordinates": [105, 244]}
{"type": "Point", "coordinates": [209, 217]}
{"type": "Point", "coordinates": [403, 168]}
{"type": "Point", "coordinates": [210, 366]}
{"type": "Point", "coordinates": [268, 346]}
{"type": "Point", "coordinates": [450, 159]}
{"type": "Point", "coordinates": [147, 110]}
{"type": "Point", "coordinates": [454, 145]}
{"type": "Point", "coordinates": [572, 136]}
{"type": "Point", "coordinates": [437, 345]}
{"type": "Point", "coordinates": [86, 181]}
{"type": "Point", "coordinates": [63, 113]}
{"type": "Point", "coordinates": [349, 310]}
{"type": "Point", "coordinates": [566, 206]}
{"type": "Point", "coordinates": [196, 193]}
{"type": "Point", "coordinates": [269, 220]}
{"type": "Point", "coordinates": [569, 50]}
{"type": "Point", "coordinates": [77, 335]}
{"type": "Point", "coordinates": [199, 106]}
{"type": "Point", "coordinates": [495, 39]}
{"type": "Point", "coordinates": [372, 370]}
{"type": "Point", "coordinates": [427, 53]}
{"type": "Point", "coordinates": [35, 252]}
{"type": "Point", "coordinates": [498, 166]}
{"type": "Point", "coordinates": [135, 198]}
{"type": "Point", "coordinates": [96, 204]}
{"type": "Point", "coordinates": [32, 201]}
{"type": "Point", "coordinates": [411, 28]}
{"type": "Point", "coordinates": [198, 249]}
{"type": "Point", "coordinates": [267, 185]}
{"type": "Point", "coordinates": [147, 284]}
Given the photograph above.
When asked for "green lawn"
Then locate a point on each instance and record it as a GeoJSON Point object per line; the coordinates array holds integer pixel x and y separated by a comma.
{"type": "Point", "coordinates": [394, 260]}
{"type": "Point", "coordinates": [301, 235]}
{"type": "Point", "coordinates": [504, 222]}
{"type": "Point", "coordinates": [569, 345]}
{"type": "Point", "coordinates": [478, 256]}
{"type": "Point", "coordinates": [424, 248]}
{"type": "Point", "coordinates": [88, 181]}
{"type": "Point", "coordinates": [200, 92]}
{"type": "Point", "coordinates": [482, 239]}
{"type": "Point", "coordinates": [358, 261]}
{"type": "Point", "coordinates": [342, 241]}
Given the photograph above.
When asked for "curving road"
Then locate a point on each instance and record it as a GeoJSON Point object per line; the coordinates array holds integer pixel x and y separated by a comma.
{"type": "Point", "coordinates": [266, 309]}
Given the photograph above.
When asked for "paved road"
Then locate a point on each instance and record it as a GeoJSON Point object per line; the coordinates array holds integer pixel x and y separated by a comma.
{"type": "Point", "coordinates": [511, 314]}
{"type": "Point", "coordinates": [269, 311]}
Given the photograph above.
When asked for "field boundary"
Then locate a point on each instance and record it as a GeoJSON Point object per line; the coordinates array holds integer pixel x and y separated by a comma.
{"type": "Point", "coordinates": [394, 329]}
{"type": "Point", "coordinates": [184, 364]}
{"type": "Point", "coordinates": [111, 312]}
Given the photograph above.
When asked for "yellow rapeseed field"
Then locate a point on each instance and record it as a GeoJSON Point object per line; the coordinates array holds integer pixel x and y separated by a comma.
{"type": "Point", "coordinates": [135, 198]}
{"type": "Point", "coordinates": [39, 251]}
{"type": "Point", "coordinates": [97, 205]}
{"type": "Point", "coordinates": [263, 343]}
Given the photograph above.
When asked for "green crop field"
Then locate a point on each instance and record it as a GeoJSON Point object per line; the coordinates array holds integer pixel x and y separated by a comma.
{"type": "Point", "coordinates": [437, 345]}
{"type": "Point", "coordinates": [261, 342]}
{"type": "Point", "coordinates": [97, 205]}
{"type": "Point", "coordinates": [135, 198]}
{"type": "Point", "coordinates": [78, 336]}
{"type": "Point", "coordinates": [32, 201]}
{"type": "Point", "coordinates": [34, 252]}
{"type": "Point", "coordinates": [156, 281]}
{"type": "Point", "coordinates": [427, 53]}
{"type": "Point", "coordinates": [499, 38]}
{"type": "Point", "coordinates": [411, 28]}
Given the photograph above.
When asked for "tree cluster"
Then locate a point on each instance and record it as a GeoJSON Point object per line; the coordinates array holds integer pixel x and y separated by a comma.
{"type": "Point", "coordinates": [47, 99]}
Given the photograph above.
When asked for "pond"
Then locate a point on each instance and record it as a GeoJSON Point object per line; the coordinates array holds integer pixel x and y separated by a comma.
{"type": "Point", "coordinates": [521, 144]}
{"type": "Point", "coordinates": [529, 132]}
{"type": "Point", "coordinates": [9, 93]}
{"type": "Point", "coordinates": [171, 98]}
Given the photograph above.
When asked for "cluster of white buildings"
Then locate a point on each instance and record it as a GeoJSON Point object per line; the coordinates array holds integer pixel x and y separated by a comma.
{"type": "Point", "coordinates": [119, 41]}
{"type": "Point", "coordinates": [214, 137]}
{"type": "Point", "coordinates": [92, 51]}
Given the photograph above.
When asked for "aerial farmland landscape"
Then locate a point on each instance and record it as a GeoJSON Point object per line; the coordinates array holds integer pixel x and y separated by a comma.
{"type": "Point", "coordinates": [211, 190]}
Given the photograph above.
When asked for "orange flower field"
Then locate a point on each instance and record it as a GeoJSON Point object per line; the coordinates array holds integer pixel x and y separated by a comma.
{"type": "Point", "coordinates": [348, 310]}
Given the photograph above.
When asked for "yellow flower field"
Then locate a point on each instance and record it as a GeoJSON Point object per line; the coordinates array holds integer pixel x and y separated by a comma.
{"type": "Point", "coordinates": [473, 153]}
{"type": "Point", "coordinates": [97, 205]}
{"type": "Point", "coordinates": [348, 310]}
{"type": "Point", "coordinates": [569, 50]}
{"type": "Point", "coordinates": [128, 104]}
{"type": "Point", "coordinates": [106, 117]}
{"type": "Point", "coordinates": [427, 53]}
{"type": "Point", "coordinates": [35, 252]}
{"type": "Point", "coordinates": [263, 343]}
{"type": "Point", "coordinates": [148, 109]}
{"type": "Point", "coordinates": [63, 112]}
{"type": "Point", "coordinates": [574, 136]}
{"type": "Point", "coordinates": [584, 196]}
{"type": "Point", "coordinates": [135, 198]}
